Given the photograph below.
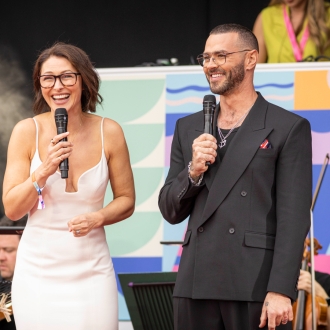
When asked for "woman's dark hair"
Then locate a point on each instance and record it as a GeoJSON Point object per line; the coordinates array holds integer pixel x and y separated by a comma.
{"type": "Point", "coordinates": [80, 60]}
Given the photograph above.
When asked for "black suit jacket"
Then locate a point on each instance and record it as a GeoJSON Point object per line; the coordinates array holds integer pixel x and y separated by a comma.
{"type": "Point", "coordinates": [250, 216]}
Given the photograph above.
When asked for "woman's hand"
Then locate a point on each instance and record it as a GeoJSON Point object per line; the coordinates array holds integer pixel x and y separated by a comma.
{"type": "Point", "coordinates": [19, 193]}
{"type": "Point", "coordinates": [57, 151]}
{"type": "Point", "coordinates": [82, 224]}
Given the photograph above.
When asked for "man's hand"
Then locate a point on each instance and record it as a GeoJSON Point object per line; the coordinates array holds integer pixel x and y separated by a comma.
{"type": "Point", "coordinates": [277, 309]}
{"type": "Point", "coordinates": [204, 149]}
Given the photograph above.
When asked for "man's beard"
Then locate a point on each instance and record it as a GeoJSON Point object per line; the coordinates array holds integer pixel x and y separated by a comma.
{"type": "Point", "coordinates": [233, 79]}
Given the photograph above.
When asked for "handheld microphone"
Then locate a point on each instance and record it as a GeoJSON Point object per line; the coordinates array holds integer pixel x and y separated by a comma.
{"type": "Point", "coordinates": [208, 109]}
{"type": "Point", "coordinates": [61, 120]}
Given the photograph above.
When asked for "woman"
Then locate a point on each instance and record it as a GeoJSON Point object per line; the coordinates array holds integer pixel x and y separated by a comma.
{"type": "Point", "coordinates": [64, 277]}
{"type": "Point", "coordinates": [293, 30]}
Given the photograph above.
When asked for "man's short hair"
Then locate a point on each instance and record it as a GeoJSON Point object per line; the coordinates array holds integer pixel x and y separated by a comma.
{"type": "Point", "coordinates": [245, 36]}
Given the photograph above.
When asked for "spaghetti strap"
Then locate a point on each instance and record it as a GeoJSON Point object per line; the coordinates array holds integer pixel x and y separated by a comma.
{"type": "Point", "coordinates": [102, 132]}
{"type": "Point", "coordinates": [37, 134]}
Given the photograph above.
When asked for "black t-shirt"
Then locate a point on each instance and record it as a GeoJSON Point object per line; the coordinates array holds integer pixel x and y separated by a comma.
{"type": "Point", "coordinates": [324, 280]}
{"type": "Point", "coordinates": [222, 151]}
{"type": "Point", "coordinates": [4, 325]}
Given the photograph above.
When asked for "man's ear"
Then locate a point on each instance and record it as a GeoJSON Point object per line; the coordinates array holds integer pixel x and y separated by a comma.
{"type": "Point", "coordinates": [251, 59]}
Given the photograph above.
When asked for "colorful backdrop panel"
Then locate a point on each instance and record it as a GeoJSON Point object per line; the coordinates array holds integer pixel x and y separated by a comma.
{"type": "Point", "coordinates": [147, 102]}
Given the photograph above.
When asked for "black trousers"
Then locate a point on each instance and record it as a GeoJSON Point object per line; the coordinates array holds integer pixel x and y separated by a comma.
{"type": "Point", "coordinates": [201, 314]}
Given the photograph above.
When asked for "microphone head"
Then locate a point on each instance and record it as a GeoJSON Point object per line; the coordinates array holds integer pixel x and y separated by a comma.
{"type": "Point", "coordinates": [209, 104]}
{"type": "Point", "coordinates": [209, 99]}
{"type": "Point", "coordinates": [60, 111]}
{"type": "Point", "coordinates": [61, 118]}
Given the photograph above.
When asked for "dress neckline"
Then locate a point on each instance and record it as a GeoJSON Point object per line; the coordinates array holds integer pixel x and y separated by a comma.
{"type": "Point", "coordinates": [37, 154]}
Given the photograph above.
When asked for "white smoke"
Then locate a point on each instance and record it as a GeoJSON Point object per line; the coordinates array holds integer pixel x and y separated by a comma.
{"type": "Point", "coordinates": [15, 105]}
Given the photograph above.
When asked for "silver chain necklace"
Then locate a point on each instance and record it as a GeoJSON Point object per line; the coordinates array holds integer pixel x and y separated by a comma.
{"type": "Point", "coordinates": [223, 138]}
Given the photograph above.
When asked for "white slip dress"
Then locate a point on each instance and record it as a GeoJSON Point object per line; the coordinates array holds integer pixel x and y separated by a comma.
{"type": "Point", "coordinates": [61, 281]}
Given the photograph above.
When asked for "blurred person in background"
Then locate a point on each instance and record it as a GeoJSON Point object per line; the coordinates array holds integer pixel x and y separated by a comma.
{"type": "Point", "coordinates": [322, 287]}
{"type": "Point", "coordinates": [293, 30]}
{"type": "Point", "coordinates": [8, 249]}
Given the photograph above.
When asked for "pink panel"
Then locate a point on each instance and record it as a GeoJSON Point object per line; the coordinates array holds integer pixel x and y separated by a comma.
{"type": "Point", "coordinates": [322, 263]}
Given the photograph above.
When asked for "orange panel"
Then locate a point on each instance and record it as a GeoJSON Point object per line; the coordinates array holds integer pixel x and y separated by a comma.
{"type": "Point", "coordinates": [312, 90]}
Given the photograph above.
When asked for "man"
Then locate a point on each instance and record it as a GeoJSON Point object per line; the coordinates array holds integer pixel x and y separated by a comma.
{"type": "Point", "coordinates": [8, 249]}
{"type": "Point", "coordinates": [249, 211]}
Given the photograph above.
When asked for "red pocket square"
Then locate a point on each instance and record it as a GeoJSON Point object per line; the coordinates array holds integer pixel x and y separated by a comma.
{"type": "Point", "coordinates": [265, 145]}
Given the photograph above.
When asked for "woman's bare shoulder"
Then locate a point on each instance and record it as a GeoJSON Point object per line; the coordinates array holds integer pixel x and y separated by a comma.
{"type": "Point", "coordinates": [23, 137]}
{"type": "Point", "coordinates": [111, 126]}
{"type": "Point", "coordinates": [114, 139]}
{"type": "Point", "coordinates": [26, 126]}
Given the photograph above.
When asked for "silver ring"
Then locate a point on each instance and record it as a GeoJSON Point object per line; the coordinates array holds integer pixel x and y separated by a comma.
{"type": "Point", "coordinates": [78, 232]}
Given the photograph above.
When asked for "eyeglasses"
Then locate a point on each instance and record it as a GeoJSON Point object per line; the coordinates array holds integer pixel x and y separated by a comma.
{"type": "Point", "coordinates": [217, 57]}
{"type": "Point", "coordinates": [67, 79]}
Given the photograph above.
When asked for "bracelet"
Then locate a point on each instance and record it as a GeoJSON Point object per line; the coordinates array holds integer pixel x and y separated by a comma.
{"type": "Point", "coordinates": [192, 180]}
{"type": "Point", "coordinates": [41, 203]}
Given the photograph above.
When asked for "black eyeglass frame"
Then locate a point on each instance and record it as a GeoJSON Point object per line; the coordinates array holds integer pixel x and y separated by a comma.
{"type": "Point", "coordinates": [59, 77]}
{"type": "Point", "coordinates": [201, 57]}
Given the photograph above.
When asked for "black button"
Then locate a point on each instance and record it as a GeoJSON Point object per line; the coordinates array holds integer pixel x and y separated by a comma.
{"type": "Point", "coordinates": [231, 230]}
{"type": "Point", "coordinates": [200, 229]}
{"type": "Point", "coordinates": [243, 193]}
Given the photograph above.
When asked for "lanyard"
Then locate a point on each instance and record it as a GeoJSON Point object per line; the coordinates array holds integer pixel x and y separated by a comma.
{"type": "Point", "coordinates": [297, 49]}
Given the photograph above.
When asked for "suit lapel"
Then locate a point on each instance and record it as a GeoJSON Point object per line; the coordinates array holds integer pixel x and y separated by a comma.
{"type": "Point", "coordinates": [239, 154]}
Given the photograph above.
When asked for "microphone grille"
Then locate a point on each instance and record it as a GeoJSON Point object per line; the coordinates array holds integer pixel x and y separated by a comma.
{"type": "Point", "coordinates": [209, 98]}
{"type": "Point", "coordinates": [60, 111]}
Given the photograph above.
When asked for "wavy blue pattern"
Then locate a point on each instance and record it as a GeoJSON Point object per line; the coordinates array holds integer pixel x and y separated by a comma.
{"type": "Point", "coordinates": [191, 87]}
{"type": "Point", "coordinates": [275, 85]}
{"type": "Point", "coordinates": [204, 89]}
